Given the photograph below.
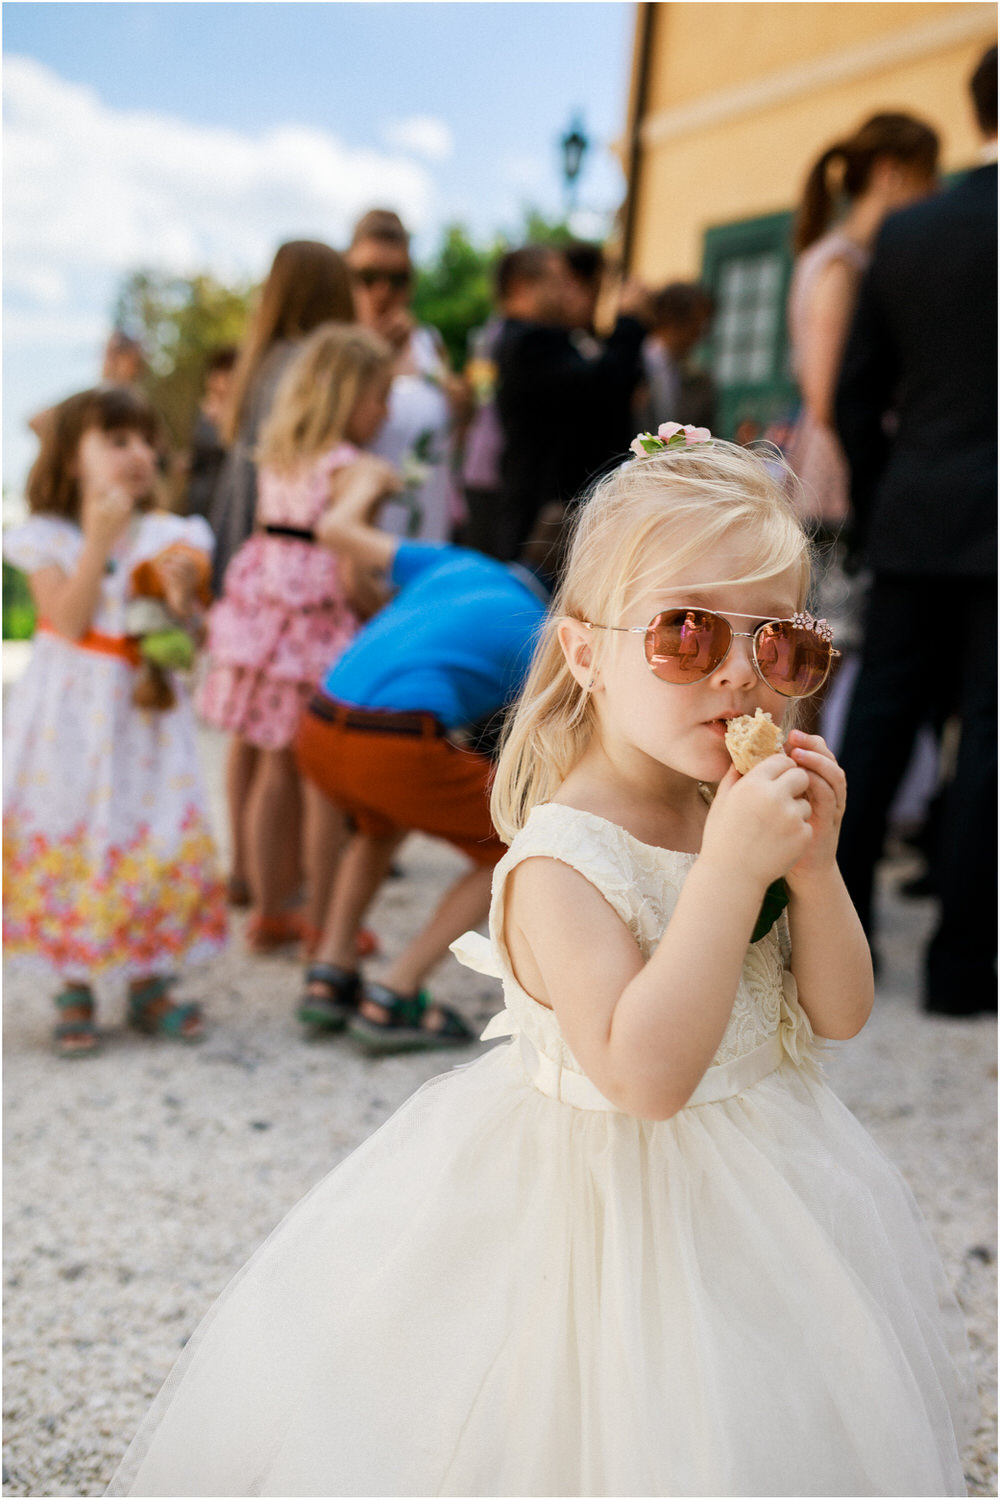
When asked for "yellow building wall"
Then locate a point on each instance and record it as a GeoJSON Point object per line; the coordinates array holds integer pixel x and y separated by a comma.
{"type": "Point", "coordinates": [742, 98]}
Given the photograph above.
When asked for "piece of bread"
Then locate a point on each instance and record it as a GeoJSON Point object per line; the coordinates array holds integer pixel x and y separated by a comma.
{"type": "Point", "coordinates": [750, 739]}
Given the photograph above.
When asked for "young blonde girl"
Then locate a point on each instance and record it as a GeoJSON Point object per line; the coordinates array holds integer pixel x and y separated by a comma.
{"type": "Point", "coordinates": [642, 1249]}
{"type": "Point", "coordinates": [289, 607]}
{"type": "Point", "coordinates": [109, 864]}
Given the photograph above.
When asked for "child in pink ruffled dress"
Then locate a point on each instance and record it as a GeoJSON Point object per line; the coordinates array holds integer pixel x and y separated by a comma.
{"type": "Point", "coordinates": [289, 607]}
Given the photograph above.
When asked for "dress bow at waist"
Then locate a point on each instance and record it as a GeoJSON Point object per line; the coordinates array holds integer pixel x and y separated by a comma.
{"type": "Point", "coordinates": [720, 1081]}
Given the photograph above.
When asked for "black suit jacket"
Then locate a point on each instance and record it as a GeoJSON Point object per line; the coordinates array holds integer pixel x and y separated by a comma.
{"type": "Point", "coordinates": [922, 348]}
{"type": "Point", "coordinates": [564, 416]}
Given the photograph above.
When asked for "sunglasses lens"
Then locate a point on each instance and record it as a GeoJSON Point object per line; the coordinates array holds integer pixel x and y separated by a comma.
{"type": "Point", "coordinates": [397, 280]}
{"type": "Point", "coordinates": [686, 645]}
{"type": "Point", "coordinates": [793, 661]}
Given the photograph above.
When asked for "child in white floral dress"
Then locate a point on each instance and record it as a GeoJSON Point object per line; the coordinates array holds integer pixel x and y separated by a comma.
{"type": "Point", "coordinates": [109, 864]}
{"type": "Point", "coordinates": [641, 1248]}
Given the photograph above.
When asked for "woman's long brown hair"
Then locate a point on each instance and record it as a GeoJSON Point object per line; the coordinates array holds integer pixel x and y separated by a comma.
{"type": "Point", "coordinates": [902, 138]}
{"type": "Point", "coordinates": [308, 284]}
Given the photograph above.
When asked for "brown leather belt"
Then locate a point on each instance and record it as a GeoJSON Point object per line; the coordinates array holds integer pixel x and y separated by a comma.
{"type": "Point", "coordinates": [376, 720]}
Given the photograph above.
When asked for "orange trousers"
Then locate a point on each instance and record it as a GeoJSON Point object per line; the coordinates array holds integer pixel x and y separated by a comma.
{"type": "Point", "coordinates": [388, 782]}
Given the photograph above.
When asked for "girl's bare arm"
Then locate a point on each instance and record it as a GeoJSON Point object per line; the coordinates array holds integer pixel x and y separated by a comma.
{"type": "Point", "coordinates": [831, 960]}
{"type": "Point", "coordinates": [69, 603]}
{"type": "Point", "coordinates": [829, 319]}
{"type": "Point", "coordinates": [346, 525]}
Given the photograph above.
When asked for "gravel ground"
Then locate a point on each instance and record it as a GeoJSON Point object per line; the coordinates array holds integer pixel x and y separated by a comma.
{"type": "Point", "coordinates": [138, 1182]}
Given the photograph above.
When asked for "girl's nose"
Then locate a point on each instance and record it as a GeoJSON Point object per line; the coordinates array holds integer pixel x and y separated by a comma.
{"type": "Point", "coordinates": [738, 668]}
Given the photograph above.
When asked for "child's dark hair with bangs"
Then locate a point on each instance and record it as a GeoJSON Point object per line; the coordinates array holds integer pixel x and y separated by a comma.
{"type": "Point", "coordinates": [52, 487]}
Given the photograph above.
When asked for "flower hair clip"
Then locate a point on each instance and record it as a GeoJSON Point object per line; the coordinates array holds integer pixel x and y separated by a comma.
{"type": "Point", "coordinates": [804, 621]}
{"type": "Point", "coordinates": [669, 435]}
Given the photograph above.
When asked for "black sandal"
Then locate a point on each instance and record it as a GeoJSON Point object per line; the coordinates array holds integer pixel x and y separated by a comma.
{"type": "Point", "coordinates": [329, 1011]}
{"type": "Point", "coordinates": [405, 1028]}
{"type": "Point", "coordinates": [77, 1037]}
{"type": "Point", "coordinates": [151, 1011]}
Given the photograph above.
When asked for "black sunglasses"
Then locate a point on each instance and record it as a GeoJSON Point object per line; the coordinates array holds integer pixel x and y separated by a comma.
{"type": "Point", "coordinates": [370, 276]}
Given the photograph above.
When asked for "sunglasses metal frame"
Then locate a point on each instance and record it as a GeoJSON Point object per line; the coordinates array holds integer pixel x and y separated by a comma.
{"type": "Point", "coordinates": [801, 621]}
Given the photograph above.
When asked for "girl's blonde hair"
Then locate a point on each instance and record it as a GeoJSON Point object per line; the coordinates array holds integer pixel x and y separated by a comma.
{"type": "Point", "coordinates": [647, 522]}
{"type": "Point", "coordinates": [317, 393]}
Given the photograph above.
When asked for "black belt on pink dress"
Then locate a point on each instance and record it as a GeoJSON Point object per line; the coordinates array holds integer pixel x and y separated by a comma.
{"type": "Point", "coordinates": [294, 533]}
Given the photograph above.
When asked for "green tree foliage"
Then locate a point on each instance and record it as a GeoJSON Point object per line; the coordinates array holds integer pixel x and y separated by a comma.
{"type": "Point", "coordinates": [18, 610]}
{"type": "Point", "coordinates": [454, 292]}
{"type": "Point", "coordinates": [180, 321]}
{"type": "Point", "coordinates": [454, 288]}
{"type": "Point", "coordinates": [538, 230]}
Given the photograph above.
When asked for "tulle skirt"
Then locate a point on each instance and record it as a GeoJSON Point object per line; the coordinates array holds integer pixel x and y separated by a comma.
{"type": "Point", "coordinates": [501, 1294]}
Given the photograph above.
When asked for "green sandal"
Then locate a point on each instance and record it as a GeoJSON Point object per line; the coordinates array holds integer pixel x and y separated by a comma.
{"type": "Point", "coordinates": [405, 1028]}
{"type": "Point", "coordinates": [329, 1011]}
{"type": "Point", "coordinates": [88, 1042]}
{"type": "Point", "coordinates": [148, 1015]}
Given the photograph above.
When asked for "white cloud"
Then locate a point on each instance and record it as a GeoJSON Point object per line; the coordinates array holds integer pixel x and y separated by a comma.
{"type": "Point", "coordinates": [90, 187]}
{"type": "Point", "coordinates": [420, 135]}
{"type": "Point", "coordinates": [527, 173]}
{"type": "Point", "coordinates": [92, 192]}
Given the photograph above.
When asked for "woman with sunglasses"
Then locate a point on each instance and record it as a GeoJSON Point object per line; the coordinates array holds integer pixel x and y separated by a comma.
{"type": "Point", "coordinates": [642, 1249]}
{"type": "Point", "coordinates": [416, 436]}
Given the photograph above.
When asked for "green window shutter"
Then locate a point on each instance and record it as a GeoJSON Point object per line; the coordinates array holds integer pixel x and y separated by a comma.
{"type": "Point", "coordinates": [747, 266]}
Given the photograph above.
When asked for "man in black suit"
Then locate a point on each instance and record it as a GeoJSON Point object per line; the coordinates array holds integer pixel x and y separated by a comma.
{"type": "Point", "coordinates": [923, 488]}
{"type": "Point", "coordinates": [552, 397]}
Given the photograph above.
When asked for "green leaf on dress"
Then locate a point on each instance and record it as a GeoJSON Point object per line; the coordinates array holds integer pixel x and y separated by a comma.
{"type": "Point", "coordinates": [774, 903]}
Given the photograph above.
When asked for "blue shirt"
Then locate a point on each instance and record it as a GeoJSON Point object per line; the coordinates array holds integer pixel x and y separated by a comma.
{"type": "Point", "coordinates": [456, 641]}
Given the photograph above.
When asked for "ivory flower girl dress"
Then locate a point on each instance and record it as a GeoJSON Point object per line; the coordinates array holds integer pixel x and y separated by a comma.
{"type": "Point", "coordinates": [513, 1288]}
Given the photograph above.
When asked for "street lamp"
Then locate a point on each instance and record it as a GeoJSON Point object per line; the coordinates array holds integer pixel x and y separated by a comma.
{"type": "Point", "coordinates": [574, 144]}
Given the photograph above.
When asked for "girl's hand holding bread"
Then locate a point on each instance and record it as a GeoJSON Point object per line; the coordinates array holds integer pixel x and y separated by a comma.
{"type": "Point", "coordinates": [827, 793]}
{"type": "Point", "coordinates": [760, 822]}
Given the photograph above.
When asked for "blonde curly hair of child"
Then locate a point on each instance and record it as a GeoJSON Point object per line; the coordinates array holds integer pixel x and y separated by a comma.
{"type": "Point", "coordinates": [650, 519]}
{"type": "Point", "coordinates": [317, 393]}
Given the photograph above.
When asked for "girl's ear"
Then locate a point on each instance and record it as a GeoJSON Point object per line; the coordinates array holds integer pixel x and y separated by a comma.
{"type": "Point", "coordinates": [577, 648]}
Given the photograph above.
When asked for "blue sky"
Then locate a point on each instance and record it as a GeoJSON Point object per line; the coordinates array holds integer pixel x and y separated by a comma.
{"type": "Point", "coordinates": [198, 136]}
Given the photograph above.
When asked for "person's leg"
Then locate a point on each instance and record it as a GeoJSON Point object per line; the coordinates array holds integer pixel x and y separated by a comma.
{"type": "Point", "coordinates": [960, 976]}
{"type": "Point", "coordinates": [892, 696]}
{"type": "Point", "coordinates": [324, 839]}
{"type": "Point", "coordinates": [464, 905]}
{"type": "Point", "coordinates": [273, 820]}
{"type": "Point", "coordinates": [241, 765]}
{"type": "Point", "coordinates": [362, 869]}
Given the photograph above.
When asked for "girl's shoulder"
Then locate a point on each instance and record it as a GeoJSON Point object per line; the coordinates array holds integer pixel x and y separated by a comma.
{"type": "Point", "coordinates": [620, 865]}
{"type": "Point", "coordinates": [306, 470]}
{"type": "Point", "coordinates": [337, 457]}
{"type": "Point", "coordinates": [43, 541]}
{"type": "Point", "coordinates": [833, 248]}
{"type": "Point", "coordinates": [159, 529]}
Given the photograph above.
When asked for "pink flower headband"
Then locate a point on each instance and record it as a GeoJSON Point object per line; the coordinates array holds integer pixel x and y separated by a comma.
{"type": "Point", "coordinates": [669, 435]}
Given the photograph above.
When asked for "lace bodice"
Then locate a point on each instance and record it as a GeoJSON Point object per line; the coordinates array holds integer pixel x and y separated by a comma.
{"type": "Point", "coordinates": [642, 883]}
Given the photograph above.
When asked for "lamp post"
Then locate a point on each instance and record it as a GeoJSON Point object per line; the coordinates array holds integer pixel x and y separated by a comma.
{"type": "Point", "coordinates": [574, 144]}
